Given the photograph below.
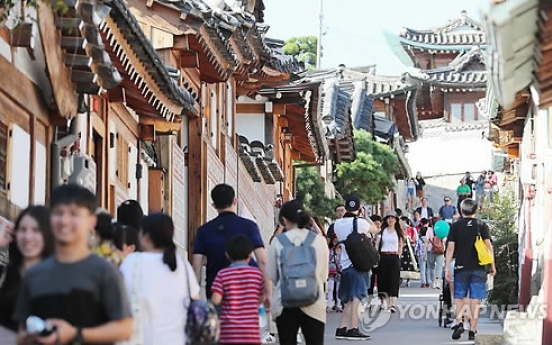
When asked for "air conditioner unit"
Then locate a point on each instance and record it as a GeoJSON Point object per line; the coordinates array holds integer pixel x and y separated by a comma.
{"type": "Point", "coordinates": [84, 172]}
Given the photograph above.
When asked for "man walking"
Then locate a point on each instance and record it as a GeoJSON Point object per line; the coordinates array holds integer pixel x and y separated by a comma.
{"type": "Point", "coordinates": [447, 212]}
{"type": "Point", "coordinates": [470, 279]}
{"type": "Point", "coordinates": [79, 293]}
{"type": "Point", "coordinates": [424, 210]}
{"type": "Point", "coordinates": [353, 288]}
{"type": "Point", "coordinates": [212, 237]}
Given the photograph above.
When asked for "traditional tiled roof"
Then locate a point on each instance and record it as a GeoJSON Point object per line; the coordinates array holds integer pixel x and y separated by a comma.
{"type": "Point", "coordinates": [91, 67]}
{"type": "Point", "coordinates": [143, 49]}
{"type": "Point", "coordinates": [466, 72]}
{"type": "Point", "coordinates": [259, 161]}
{"type": "Point", "coordinates": [364, 87]}
{"type": "Point", "coordinates": [463, 31]}
{"type": "Point", "coordinates": [238, 20]}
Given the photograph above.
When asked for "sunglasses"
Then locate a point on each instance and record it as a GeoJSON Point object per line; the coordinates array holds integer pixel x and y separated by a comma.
{"type": "Point", "coordinates": [447, 200]}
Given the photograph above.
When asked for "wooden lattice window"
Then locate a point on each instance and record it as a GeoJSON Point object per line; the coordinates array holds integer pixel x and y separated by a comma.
{"type": "Point", "coordinates": [122, 161]}
{"type": "Point", "coordinates": [3, 155]}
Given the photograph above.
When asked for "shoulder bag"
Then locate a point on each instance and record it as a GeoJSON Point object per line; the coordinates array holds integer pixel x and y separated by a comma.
{"type": "Point", "coordinates": [483, 254]}
{"type": "Point", "coordinates": [202, 323]}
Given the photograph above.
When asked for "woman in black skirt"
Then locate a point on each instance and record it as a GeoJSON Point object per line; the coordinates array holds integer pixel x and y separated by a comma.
{"type": "Point", "coordinates": [391, 241]}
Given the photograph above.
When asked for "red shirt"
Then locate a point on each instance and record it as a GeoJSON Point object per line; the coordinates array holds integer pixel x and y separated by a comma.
{"type": "Point", "coordinates": [241, 288]}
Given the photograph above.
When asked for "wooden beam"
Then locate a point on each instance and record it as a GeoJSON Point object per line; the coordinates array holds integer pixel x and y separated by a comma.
{"type": "Point", "coordinates": [197, 182]}
{"type": "Point", "coordinates": [60, 77]}
{"type": "Point", "coordinates": [161, 126]}
{"type": "Point", "coordinates": [250, 108]}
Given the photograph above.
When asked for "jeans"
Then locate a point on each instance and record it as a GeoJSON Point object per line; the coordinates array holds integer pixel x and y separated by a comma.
{"type": "Point", "coordinates": [294, 318]}
{"type": "Point", "coordinates": [434, 266]}
{"type": "Point", "coordinates": [422, 264]}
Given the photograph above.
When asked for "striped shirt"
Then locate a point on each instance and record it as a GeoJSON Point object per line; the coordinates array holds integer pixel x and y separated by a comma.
{"type": "Point", "coordinates": [241, 288]}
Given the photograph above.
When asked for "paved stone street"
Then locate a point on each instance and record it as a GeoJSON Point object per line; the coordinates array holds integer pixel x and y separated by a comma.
{"type": "Point", "coordinates": [401, 328]}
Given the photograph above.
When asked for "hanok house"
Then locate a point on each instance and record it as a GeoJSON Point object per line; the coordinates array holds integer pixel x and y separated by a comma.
{"type": "Point", "coordinates": [452, 78]}
{"type": "Point", "coordinates": [383, 105]}
{"type": "Point", "coordinates": [520, 108]}
{"type": "Point", "coordinates": [108, 95]}
{"type": "Point", "coordinates": [219, 53]}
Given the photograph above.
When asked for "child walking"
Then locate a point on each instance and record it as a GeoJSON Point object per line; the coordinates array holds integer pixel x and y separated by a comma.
{"type": "Point", "coordinates": [239, 290]}
{"type": "Point", "coordinates": [334, 274]}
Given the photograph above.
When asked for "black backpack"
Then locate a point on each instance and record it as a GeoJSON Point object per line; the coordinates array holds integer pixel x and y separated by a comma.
{"type": "Point", "coordinates": [360, 249]}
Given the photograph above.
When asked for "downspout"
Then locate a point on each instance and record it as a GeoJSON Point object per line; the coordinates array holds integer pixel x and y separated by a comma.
{"type": "Point", "coordinates": [58, 145]}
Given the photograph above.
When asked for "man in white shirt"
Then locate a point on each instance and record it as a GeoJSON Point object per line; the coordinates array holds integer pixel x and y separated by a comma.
{"type": "Point", "coordinates": [354, 284]}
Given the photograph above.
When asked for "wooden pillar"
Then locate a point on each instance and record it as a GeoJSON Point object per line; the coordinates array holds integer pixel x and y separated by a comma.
{"type": "Point", "coordinates": [196, 179]}
{"type": "Point", "coordinates": [32, 176]}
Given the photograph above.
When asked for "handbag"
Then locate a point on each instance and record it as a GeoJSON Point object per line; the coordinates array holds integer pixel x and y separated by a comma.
{"type": "Point", "coordinates": [483, 254]}
{"type": "Point", "coordinates": [202, 325]}
{"type": "Point", "coordinates": [137, 337]}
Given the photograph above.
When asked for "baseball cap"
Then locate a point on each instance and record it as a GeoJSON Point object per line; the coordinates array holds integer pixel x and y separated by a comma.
{"type": "Point", "coordinates": [352, 203]}
{"type": "Point", "coordinates": [391, 214]}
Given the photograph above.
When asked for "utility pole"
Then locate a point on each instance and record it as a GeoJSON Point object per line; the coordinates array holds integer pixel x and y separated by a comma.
{"type": "Point", "coordinates": [320, 33]}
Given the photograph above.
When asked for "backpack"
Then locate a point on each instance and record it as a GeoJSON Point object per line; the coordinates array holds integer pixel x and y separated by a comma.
{"type": "Point", "coordinates": [360, 249]}
{"type": "Point", "coordinates": [333, 267]}
{"type": "Point", "coordinates": [437, 246]}
{"type": "Point", "coordinates": [298, 282]}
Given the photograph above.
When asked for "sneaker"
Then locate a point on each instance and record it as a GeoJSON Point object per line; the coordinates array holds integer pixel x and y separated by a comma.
{"type": "Point", "coordinates": [457, 331]}
{"type": "Point", "coordinates": [341, 333]}
{"type": "Point", "coordinates": [393, 309]}
{"type": "Point", "coordinates": [299, 338]}
{"type": "Point", "coordinates": [434, 285]}
{"type": "Point", "coordinates": [355, 334]}
{"type": "Point", "coordinates": [268, 339]}
{"type": "Point", "coordinates": [471, 335]}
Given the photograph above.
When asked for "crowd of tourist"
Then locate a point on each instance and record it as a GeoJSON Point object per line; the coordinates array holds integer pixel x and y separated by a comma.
{"type": "Point", "coordinates": [96, 278]}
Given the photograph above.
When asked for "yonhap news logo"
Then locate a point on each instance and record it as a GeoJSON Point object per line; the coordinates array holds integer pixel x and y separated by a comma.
{"type": "Point", "coordinates": [374, 318]}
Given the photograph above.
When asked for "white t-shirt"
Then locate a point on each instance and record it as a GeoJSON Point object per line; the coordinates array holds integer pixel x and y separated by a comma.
{"type": "Point", "coordinates": [163, 296]}
{"type": "Point", "coordinates": [389, 242]}
{"type": "Point", "coordinates": [424, 212]}
{"type": "Point", "coordinates": [343, 228]}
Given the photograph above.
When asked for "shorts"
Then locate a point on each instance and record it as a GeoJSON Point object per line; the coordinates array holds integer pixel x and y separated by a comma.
{"type": "Point", "coordinates": [472, 283]}
{"type": "Point", "coordinates": [410, 192]}
{"type": "Point", "coordinates": [353, 285]}
{"type": "Point", "coordinates": [420, 193]}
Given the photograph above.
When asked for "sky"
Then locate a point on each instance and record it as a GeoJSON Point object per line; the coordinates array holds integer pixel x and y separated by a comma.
{"type": "Point", "coordinates": [353, 29]}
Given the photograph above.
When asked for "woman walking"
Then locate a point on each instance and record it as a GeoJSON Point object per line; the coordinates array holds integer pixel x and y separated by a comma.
{"type": "Point", "coordinates": [311, 318]}
{"type": "Point", "coordinates": [33, 242]}
{"type": "Point", "coordinates": [159, 280]}
{"type": "Point", "coordinates": [390, 243]}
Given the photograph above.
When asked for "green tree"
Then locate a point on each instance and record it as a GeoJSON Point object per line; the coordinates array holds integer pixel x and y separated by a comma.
{"type": "Point", "coordinates": [370, 175]}
{"type": "Point", "coordinates": [310, 189]}
{"type": "Point", "coordinates": [500, 215]}
{"type": "Point", "coordinates": [304, 49]}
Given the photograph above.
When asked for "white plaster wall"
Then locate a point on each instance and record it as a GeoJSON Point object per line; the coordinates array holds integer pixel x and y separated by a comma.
{"type": "Point", "coordinates": [144, 183]}
{"type": "Point", "coordinates": [440, 151]}
{"type": "Point", "coordinates": [20, 163]}
{"type": "Point", "coordinates": [251, 126]}
{"type": "Point", "coordinates": [132, 160]}
{"type": "Point", "coordinates": [40, 174]}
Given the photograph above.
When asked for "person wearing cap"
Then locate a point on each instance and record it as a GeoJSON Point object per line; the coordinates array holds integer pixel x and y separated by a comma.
{"type": "Point", "coordinates": [390, 242]}
{"type": "Point", "coordinates": [354, 284]}
{"type": "Point", "coordinates": [447, 212]}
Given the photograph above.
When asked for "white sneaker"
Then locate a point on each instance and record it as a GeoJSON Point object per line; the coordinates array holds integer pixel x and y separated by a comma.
{"type": "Point", "coordinates": [434, 285]}
{"type": "Point", "coordinates": [268, 339]}
{"type": "Point", "coordinates": [299, 338]}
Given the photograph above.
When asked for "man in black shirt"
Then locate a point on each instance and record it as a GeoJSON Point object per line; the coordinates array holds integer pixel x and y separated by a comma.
{"type": "Point", "coordinates": [470, 278]}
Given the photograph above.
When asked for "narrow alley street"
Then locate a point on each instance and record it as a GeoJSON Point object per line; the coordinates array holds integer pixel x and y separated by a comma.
{"type": "Point", "coordinates": [419, 331]}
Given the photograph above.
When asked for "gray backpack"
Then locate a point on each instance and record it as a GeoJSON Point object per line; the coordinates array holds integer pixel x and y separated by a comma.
{"type": "Point", "coordinates": [298, 272]}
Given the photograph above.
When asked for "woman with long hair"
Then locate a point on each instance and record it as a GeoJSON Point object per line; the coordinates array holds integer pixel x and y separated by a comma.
{"type": "Point", "coordinates": [162, 284]}
{"type": "Point", "coordinates": [391, 240]}
{"type": "Point", "coordinates": [311, 318]}
{"type": "Point", "coordinates": [33, 242]}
